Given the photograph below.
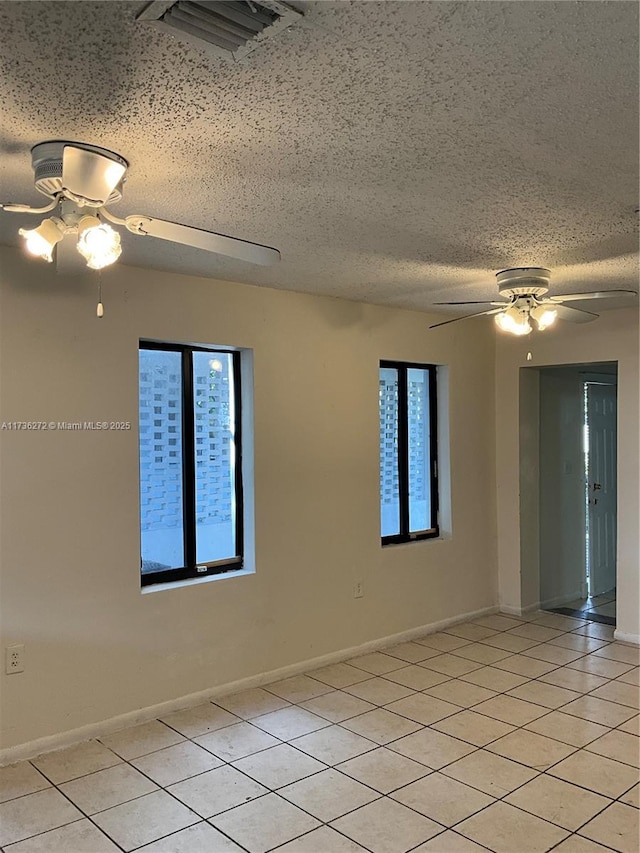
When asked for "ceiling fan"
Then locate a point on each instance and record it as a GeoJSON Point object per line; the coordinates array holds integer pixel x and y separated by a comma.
{"type": "Point", "coordinates": [525, 290]}
{"type": "Point", "coordinates": [81, 181]}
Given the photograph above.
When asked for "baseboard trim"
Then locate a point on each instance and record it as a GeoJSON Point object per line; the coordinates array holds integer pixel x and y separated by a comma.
{"type": "Point", "coordinates": [518, 611]}
{"type": "Point", "coordinates": [560, 601]}
{"type": "Point", "coordinates": [30, 749]}
{"type": "Point", "coordinates": [623, 637]}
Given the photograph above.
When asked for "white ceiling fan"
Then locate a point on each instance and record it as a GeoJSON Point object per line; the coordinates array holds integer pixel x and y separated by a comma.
{"type": "Point", "coordinates": [525, 289]}
{"type": "Point", "coordinates": [81, 181]}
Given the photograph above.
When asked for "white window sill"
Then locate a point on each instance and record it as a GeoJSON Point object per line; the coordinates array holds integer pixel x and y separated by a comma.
{"type": "Point", "coordinates": [160, 587]}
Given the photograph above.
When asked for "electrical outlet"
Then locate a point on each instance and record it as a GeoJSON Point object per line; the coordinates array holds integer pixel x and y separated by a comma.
{"type": "Point", "coordinates": [358, 589]}
{"type": "Point", "coordinates": [14, 659]}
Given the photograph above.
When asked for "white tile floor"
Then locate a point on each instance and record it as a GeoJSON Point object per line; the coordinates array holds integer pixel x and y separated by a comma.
{"type": "Point", "coordinates": [504, 734]}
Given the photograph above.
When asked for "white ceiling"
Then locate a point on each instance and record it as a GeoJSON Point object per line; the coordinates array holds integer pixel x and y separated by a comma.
{"type": "Point", "coordinates": [395, 152]}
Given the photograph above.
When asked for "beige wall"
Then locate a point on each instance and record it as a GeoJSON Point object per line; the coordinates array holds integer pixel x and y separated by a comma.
{"type": "Point", "coordinates": [95, 646]}
{"type": "Point", "coordinates": [614, 337]}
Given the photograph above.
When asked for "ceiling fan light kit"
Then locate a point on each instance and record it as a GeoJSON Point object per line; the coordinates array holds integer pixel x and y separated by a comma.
{"type": "Point", "coordinates": [41, 241]}
{"type": "Point", "coordinates": [81, 180]}
{"type": "Point", "coordinates": [544, 316]}
{"type": "Point", "coordinates": [515, 321]}
{"type": "Point", "coordinates": [98, 243]}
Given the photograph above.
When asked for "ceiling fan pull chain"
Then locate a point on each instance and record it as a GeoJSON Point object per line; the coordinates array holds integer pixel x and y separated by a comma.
{"type": "Point", "coordinates": [100, 306]}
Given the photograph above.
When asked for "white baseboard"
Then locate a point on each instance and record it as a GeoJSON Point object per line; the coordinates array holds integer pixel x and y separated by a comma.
{"type": "Point", "coordinates": [560, 601]}
{"type": "Point", "coordinates": [510, 611]}
{"type": "Point", "coordinates": [623, 637]}
{"type": "Point", "coordinates": [132, 718]}
{"type": "Point", "coordinates": [519, 611]}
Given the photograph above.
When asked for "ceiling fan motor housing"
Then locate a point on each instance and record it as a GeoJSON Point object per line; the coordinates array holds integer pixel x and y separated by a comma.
{"type": "Point", "coordinates": [47, 158]}
{"type": "Point", "coordinates": [523, 281]}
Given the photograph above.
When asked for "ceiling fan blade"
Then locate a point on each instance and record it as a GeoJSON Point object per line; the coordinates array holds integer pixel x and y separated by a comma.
{"type": "Point", "coordinates": [89, 176]}
{"type": "Point", "coordinates": [232, 247]}
{"type": "Point", "coordinates": [591, 294]}
{"type": "Point", "coordinates": [68, 260]}
{"type": "Point", "coordinates": [474, 302]}
{"type": "Point", "coordinates": [467, 316]}
{"type": "Point", "coordinates": [574, 315]}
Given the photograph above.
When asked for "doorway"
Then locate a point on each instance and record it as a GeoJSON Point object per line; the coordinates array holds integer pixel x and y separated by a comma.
{"type": "Point", "coordinates": [578, 490]}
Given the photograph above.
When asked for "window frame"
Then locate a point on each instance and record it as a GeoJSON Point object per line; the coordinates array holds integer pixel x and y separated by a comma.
{"type": "Point", "coordinates": [189, 525]}
{"type": "Point", "coordinates": [405, 534]}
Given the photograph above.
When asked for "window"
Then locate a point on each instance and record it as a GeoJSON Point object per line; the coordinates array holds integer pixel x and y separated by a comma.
{"type": "Point", "coordinates": [408, 452]}
{"type": "Point", "coordinates": [190, 462]}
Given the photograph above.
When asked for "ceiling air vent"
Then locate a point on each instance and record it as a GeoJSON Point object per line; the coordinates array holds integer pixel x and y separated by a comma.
{"type": "Point", "coordinates": [228, 29]}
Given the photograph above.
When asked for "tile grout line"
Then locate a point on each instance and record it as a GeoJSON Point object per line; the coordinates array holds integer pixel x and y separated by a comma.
{"type": "Point", "coordinates": [260, 796]}
{"type": "Point", "coordinates": [54, 787]}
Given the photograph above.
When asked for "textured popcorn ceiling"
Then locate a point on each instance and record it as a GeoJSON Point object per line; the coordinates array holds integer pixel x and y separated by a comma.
{"type": "Point", "coordinates": [395, 152]}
